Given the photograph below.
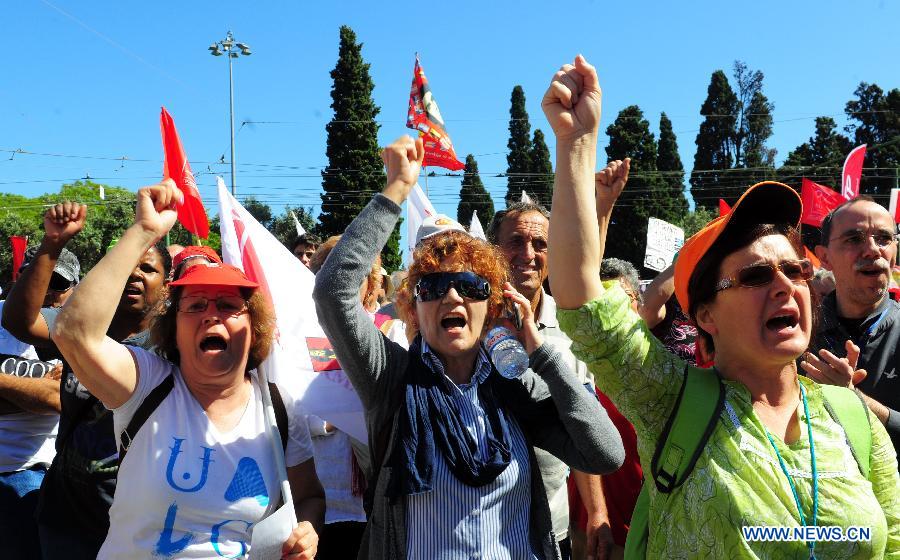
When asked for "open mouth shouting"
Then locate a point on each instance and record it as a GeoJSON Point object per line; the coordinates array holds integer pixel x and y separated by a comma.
{"type": "Point", "coordinates": [453, 322]}
{"type": "Point", "coordinates": [785, 321]}
{"type": "Point", "coordinates": [213, 344]}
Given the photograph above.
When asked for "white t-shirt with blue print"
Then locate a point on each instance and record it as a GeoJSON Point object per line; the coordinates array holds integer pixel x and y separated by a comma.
{"type": "Point", "coordinates": [186, 489]}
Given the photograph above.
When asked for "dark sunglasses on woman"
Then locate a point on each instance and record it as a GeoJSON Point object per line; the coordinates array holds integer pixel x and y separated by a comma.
{"type": "Point", "coordinates": [59, 284]}
{"type": "Point", "coordinates": [763, 274]}
{"type": "Point", "coordinates": [436, 285]}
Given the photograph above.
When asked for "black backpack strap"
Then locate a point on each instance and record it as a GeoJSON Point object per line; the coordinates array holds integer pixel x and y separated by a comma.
{"type": "Point", "coordinates": [150, 404]}
{"type": "Point", "coordinates": [281, 417]}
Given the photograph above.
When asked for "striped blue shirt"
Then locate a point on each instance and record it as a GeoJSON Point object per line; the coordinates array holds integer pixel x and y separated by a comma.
{"type": "Point", "coordinates": [455, 520]}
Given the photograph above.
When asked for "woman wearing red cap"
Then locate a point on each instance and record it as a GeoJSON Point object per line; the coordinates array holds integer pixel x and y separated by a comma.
{"type": "Point", "coordinates": [776, 456]}
{"type": "Point", "coordinates": [200, 473]}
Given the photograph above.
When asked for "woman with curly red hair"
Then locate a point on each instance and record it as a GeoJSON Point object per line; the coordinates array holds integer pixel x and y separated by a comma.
{"type": "Point", "coordinates": [453, 473]}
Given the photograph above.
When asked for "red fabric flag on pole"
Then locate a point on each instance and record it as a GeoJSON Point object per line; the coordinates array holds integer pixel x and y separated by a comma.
{"type": "Point", "coordinates": [18, 243]}
{"type": "Point", "coordinates": [425, 117]}
{"type": "Point", "coordinates": [191, 214]}
{"type": "Point", "coordinates": [818, 200]}
{"type": "Point", "coordinates": [723, 207]}
{"type": "Point", "coordinates": [852, 172]}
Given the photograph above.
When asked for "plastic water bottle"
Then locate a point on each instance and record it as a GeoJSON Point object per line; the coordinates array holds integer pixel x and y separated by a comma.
{"type": "Point", "coordinates": [506, 352]}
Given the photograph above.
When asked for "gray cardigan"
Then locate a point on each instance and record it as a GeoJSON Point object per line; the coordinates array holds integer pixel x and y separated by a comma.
{"type": "Point", "coordinates": [580, 433]}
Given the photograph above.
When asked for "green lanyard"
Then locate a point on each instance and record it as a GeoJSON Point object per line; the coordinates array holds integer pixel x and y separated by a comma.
{"type": "Point", "coordinates": [815, 477]}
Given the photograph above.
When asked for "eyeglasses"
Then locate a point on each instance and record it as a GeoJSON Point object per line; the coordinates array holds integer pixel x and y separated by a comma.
{"type": "Point", "coordinates": [436, 285]}
{"type": "Point", "coordinates": [757, 275]}
{"type": "Point", "coordinates": [59, 284]}
{"type": "Point", "coordinates": [855, 239]}
{"type": "Point", "coordinates": [232, 305]}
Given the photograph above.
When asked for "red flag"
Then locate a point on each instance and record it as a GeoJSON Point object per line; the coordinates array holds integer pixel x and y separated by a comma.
{"type": "Point", "coordinates": [18, 253]}
{"type": "Point", "coordinates": [818, 200]}
{"type": "Point", "coordinates": [817, 264]}
{"type": "Point", "coordinates": [191, 214]}
{"type": "Point", "coordinates": [425, 117]}
{"type": "Point", "coordinates": [723, 207]}
{"type": "Point", "coordinates": [852, 172]}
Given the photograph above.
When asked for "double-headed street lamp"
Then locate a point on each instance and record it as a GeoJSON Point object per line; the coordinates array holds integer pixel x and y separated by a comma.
{"type": "Point", "coordinates": [231, 49]}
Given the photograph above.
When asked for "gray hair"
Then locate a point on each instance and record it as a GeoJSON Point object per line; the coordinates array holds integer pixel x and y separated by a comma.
{"type": "Point", "coordinates": [512, 210]}
{"type": "Point", "coordinates": [615, 269]}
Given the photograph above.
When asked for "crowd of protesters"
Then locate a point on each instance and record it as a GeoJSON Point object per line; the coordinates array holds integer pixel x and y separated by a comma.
{"type": "Point", "coordinates": [738, 389]}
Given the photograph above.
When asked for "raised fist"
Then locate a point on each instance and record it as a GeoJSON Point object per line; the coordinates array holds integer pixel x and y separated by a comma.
{"type": "Point", "coordinates": [155, 210]}
{"type": "Point", "coordinates": [63, 221]}
{"type": "Point", "coordinates": [572, 102]}
{"type": "Point", "coordinates": [403, 160]}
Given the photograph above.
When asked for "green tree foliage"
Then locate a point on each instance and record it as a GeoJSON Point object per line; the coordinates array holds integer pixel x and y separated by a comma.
{"type": "Point", "coordinates": [643, 197]}
{"type": "Point", "coordinates": [668, 162]}
{"type": "Point", "coordinates": [540, 186]}
{"type": "Point", "coordinates": [518, 160]}
{"type": "Point", "coordinates": [473, 196]}
{"type": "Point", "coordinates": [875, 121]}
{"type": "Point", "coordinates": [284, 229]}
{"type": "Point", "coordinates": [714, 156]}
{"type": "Point", "coordinates": [692, 222]}
{"type": "Point", "coordinates": [819, 159]}
{"type": "Point", "coordinates": [355, 171]}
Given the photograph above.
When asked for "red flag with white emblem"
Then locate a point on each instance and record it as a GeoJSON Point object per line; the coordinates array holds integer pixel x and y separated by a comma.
{"type": "Point", "coordinates": [425, 117]}
{"type": "Point", "coordinates": [818, 200]}
{"type": "Point", "coordinates": [191, 214]}
{"type": "Point", "coordinates": [852, 172]}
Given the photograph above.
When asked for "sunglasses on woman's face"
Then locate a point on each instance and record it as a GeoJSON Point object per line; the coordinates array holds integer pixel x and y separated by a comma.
{"type": "Point", "coordinates": [757, 275]}
{"type": "Point", "coordinates": [59, 284]}
{"type": "Point", "coordinates": [436, 285]}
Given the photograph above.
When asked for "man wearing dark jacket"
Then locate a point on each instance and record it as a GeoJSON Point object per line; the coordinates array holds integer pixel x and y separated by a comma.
{"type": "Point", "coordinates": [860, 324]}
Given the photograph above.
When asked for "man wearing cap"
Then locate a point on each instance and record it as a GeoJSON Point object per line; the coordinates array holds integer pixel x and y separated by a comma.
{"type": "Point", "coordinates": [859, 244]}
{"type": "Point", "coordinates": [72, 513]}
{"type": "Point", "coordinates": [521, 233]}
{"type": "Point", "coordinates": [29, 399]}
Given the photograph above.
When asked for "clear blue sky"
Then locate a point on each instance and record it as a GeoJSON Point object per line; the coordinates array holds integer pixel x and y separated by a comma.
{"type": "Point", "coordinates": [85, 80]}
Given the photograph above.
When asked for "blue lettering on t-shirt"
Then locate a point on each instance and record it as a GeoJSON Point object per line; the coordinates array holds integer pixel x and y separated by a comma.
{"type": "Point", "coordinates": [215, 538]}
{"type": "Point", "coordinates": [247, 482]}
{"type": "Point", "coordinates": [173, 456]}
{"type": "Point", "coordinates": [165, 546]}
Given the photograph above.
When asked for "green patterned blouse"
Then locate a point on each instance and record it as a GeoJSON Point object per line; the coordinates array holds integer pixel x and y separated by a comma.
{"type": "Point", "coordinates": [737, 480]}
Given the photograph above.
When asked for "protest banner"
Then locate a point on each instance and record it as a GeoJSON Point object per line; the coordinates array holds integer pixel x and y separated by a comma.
{"type": "Point", "coordinates": [663, 241]}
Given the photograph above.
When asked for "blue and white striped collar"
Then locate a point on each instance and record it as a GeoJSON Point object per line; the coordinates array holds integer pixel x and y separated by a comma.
{"type": "Point", "coordinates": [482, 364]}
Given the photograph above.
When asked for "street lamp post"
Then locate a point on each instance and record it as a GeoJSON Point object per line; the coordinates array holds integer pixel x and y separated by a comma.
{"type": "Point", "coordinates": [231, 49]}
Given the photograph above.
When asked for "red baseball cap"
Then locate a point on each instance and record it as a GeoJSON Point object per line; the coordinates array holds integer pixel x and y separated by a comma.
{"type": "Point", "coordinates": [195, 251]}
{"type": "Point", "coordinates": [214, 274]}
{"type": "Point", "coordinates": [768, 202]}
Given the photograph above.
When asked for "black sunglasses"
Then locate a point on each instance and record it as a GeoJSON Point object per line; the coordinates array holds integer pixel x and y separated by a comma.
{"type": "Point", "coordinates": [436, 285]}
{"type": "Point", "coordinates": [59, 283]}
{"type": "Point", "coordinates": [758, 275]}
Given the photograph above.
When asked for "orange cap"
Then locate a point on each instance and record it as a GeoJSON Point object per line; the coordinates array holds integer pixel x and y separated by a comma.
{"type": "Point", "coordinates": [768, 202]}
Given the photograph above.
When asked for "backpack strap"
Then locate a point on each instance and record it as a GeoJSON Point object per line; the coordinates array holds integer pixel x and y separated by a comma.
{"type": "Point", "coordinates": [688, 428]}
{"type": "Point", "coordinates": [151, 403]}
{"type": "Point", "coordinates": [848, 409]}
{"type": "Point", "coordinates": [281, 417]}
{"type": "Point", "coordinates": [680, 444]}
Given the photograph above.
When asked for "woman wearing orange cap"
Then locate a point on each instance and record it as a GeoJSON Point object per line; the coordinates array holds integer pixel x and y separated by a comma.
{"type": "Point", "coordinates": [775, 456]}
{"type": "Point", "coordinates": [200, 473]}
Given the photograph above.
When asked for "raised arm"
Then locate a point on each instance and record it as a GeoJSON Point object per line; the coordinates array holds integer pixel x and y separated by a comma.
{"type": "Point", "coordinates": [103, 365]}
{"type": "Point", "coordinates": [608, 185]}
{"type": "Point", "coordinates": [361, 349]}
{"type": "Point", "coordinates": [572, 106]}
{"type": "Point", "coordinates": [658, 292]}
{"type": "Point", "coordinates": [22, 310]}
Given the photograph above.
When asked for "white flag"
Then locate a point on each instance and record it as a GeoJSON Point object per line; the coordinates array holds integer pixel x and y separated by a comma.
{"type": "Point", "coordinates": [302, 360]}
{"type": "Point", "coordinates": [418, 208]}
{"type": "Point", "coordinates": [102, 193]}
{"type": "Point", "coordinates": [893, 205]}
{"type": "Point", "coordinates": [300, 230]}
{"type": "Point", "coordinates": [475, 229]}
{"type": "Point", "coordinates": [525, 198]}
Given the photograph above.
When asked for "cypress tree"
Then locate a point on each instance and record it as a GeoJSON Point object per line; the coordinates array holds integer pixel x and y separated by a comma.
{"type": "Point", "coordinates": [473, 196]}
{"type": "Point", "coordinates": [540, 186]}
{"type": "Point", "coordinates": [668, 163]}
{"type": "Point", "coordinates": [630, 136]}
{"type": "Point", "coordinates": [875, 120]}
{"type": "Point", "coordinates": [518, 160]}
{"type": "Point", "coordinates": [714, 144]}
{"type": "Point", "coordinates": [355, 171]}
{"type": "Point", "coordinates": [820, 159]}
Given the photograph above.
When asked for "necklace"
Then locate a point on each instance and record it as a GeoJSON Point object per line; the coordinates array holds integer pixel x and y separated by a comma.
{"type": "Point", "coordinates": [815, 479]}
